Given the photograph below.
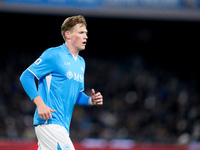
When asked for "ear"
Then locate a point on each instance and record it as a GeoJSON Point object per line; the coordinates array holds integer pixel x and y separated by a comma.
{"type": "Point", "coordinates": [67, 35]}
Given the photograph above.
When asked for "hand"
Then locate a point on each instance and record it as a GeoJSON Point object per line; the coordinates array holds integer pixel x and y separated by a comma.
{"type": "Point", "coordinates": [97, 99]}
{"type": "Point", "coordinates": [44, 111]}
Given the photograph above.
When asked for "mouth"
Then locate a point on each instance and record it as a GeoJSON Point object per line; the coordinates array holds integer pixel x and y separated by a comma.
{"type": "Point", "coordinates": [84, 43]}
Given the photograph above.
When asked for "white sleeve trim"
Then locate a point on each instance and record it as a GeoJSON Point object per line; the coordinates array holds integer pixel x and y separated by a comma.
{"type": "Point", "coordinates": [81, 90]}
{"type": "Point", "coordinates": [33, 73]}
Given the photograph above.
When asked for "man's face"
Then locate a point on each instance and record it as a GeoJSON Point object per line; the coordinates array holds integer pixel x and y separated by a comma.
{"type": "Point", "coordinates": [79, 37]}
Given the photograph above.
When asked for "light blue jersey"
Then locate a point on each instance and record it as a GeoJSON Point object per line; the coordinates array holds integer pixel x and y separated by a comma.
{"type": "Point", "coordinates": [61, 80]}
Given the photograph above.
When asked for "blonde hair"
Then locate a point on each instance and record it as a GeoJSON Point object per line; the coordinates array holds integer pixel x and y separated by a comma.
{"type": "Point", "coordinates": [70, 22]}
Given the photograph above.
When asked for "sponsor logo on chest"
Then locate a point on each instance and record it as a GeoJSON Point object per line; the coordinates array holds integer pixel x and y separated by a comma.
{"type": "Point", "coordinates": [74, 76]}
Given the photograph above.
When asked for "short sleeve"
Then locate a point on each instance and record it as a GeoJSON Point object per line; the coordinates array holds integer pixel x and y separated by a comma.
{"type": "Point", "coordinates": [44, 65]}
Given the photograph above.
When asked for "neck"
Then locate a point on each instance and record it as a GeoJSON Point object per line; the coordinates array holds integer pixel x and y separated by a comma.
{"type": "Point", "coordinates": [72, 50]}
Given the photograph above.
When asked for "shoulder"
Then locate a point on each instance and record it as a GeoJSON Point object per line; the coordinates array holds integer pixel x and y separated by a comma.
{"type": "Point", "coordinates": [52, 53]}
{"type": "Point", "coordinates": [52, 50]}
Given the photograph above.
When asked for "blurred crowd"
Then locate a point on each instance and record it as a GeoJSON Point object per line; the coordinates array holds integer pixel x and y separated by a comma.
{"type": "Point", "coordinates": [142, 102]}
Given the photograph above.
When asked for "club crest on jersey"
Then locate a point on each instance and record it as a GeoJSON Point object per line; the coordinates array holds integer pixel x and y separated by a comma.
{"type": "Point", "coordinates": [38, 61]}
{"type": "Point", "coordinates": [74, 76]}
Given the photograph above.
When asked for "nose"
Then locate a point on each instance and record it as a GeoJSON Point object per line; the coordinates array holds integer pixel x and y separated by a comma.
{"type": "Point", "coordinates": [86, 37]}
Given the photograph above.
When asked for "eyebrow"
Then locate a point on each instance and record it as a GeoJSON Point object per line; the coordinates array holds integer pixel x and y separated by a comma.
{"type": "Point", "coordinates": [84, 32]}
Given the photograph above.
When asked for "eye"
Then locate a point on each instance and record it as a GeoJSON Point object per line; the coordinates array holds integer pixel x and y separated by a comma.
{"type": "Point", "coordinates": [83, 32]}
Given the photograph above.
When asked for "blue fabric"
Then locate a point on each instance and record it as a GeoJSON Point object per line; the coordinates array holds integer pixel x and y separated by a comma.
{"type": "Point", "coordinates": [61, 79]}
{"type": "Point", "coordinates": [58, 147]}
{"type": "Point", "coordinates": [82, 99]}
{"type": "Point", "coordinates": [28, 82]}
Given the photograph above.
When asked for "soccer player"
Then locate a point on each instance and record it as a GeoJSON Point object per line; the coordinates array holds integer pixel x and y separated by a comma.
{"type": "Point", "coordinates": [60, 71]}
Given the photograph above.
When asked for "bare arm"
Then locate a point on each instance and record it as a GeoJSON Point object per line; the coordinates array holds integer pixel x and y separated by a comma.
{"type": "Point", "coordinates": [43, 110]}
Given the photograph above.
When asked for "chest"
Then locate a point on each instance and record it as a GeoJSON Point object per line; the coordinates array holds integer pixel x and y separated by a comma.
{"type": "Point", "coordinates": [70, 69]}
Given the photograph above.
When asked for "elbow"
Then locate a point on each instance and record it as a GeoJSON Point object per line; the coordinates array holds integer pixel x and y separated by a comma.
{"type": "Point", "coordinates": [21, 77]}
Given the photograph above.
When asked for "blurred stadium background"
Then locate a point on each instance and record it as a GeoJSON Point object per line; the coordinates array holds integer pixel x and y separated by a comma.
{"type": "Point", "coordinates": [142, 55]}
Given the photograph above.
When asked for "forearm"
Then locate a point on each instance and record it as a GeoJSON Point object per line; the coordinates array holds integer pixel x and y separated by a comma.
{"type": "Point", "coordinates": [44, 111]}
{"type": "Point", "coordinates": [83, 99]}
{"type": "Point", "coordinates": [38, 101]}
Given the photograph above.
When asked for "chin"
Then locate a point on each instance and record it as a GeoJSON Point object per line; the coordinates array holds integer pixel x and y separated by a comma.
{"type": "Point", "coordinates": [81, 49]}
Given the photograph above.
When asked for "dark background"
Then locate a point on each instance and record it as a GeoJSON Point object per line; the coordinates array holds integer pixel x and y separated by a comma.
{"type": "Point", "coordinates": [169, 44]}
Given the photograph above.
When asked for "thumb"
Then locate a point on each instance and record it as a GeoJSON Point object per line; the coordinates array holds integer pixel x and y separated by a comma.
{"type": "Point", "coordinates": [52, 110]}
{"type": "Point", "coordinates": [93, 92]}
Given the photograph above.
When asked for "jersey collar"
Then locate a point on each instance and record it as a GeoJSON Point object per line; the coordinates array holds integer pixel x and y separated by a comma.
{"type": "Point", "coordinates": [64, 47]}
